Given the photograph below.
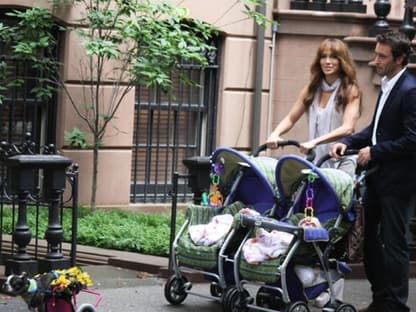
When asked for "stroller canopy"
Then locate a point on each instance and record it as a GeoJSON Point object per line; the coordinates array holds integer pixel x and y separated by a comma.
{"type": "Point", "coordinates": [332, 189]}
{"type": "Point", "coordinates": [257, 186]}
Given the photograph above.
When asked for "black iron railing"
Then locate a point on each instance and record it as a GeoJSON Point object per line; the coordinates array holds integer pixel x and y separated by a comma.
{"type": "Point", "coordinates": [356, 6]}
{"type": "Point", "coordinates": [34, 182]}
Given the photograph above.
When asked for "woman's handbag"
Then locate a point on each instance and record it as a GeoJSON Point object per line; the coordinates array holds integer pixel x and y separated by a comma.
{"type": "Point", "coordinates": [355, 238]}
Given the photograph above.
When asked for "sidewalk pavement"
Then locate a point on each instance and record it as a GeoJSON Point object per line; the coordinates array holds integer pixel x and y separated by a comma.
{"type": "Point", "coordinates": [132, 282]}
{"type": "Point", "coordinates": [131, 291]}
{"type": "Point", "coordinates": [159, 265]}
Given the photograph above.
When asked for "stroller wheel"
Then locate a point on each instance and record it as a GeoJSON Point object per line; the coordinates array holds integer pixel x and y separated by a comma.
{"type": "Point", "coordinates": [267, 298]}
{"type": "Point", "coordinates": [237, 301]}
{"type": "Point", "coordinates": [215, 290]}
{"type": "Point", "coordinates": [298, 306]}
{"type": "Point", "coordinates": [345, 307]}
{"type": "Point", "coordinates": [228, 293]}
{"type": "Point", "coordinates": [86, 307]}
{"type": "Point", "coordinates": [175, 289]}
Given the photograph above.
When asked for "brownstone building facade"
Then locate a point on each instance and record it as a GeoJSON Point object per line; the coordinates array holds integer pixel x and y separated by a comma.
{"type": "Point", "coordinates": [258, 78]}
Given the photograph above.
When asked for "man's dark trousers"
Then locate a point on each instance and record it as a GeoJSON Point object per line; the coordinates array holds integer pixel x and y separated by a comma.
{"type": "Point", "coordinates": [386, 255]}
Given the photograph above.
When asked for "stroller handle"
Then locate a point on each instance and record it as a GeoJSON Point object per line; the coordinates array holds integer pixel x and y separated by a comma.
{"type": "Point", "coordinates": [326, 157]}
{"type": "Point", "coordinates": [310, 156]}
{"type": "Point", "coordinates": [269, 224]}
{"type": "Point", "coordinates": [263, 147]}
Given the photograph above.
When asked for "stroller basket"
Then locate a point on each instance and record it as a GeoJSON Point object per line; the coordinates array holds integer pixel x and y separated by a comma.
{"type": "Point", "coordinates": [202, 257]}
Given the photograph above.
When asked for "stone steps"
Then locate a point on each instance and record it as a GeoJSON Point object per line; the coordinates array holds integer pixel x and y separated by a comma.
{"type": "Point", "coordinates": [84, 254]}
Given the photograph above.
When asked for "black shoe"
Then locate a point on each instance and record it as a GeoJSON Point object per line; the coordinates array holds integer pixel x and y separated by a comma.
{"type": "Point", "coordinates": [373, 307]}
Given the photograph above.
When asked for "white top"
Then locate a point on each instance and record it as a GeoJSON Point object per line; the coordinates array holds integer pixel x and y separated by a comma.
{"type": "Point", "coordinates": [323, 120]}
{"type": "Point", "coordinates": [386, 87]}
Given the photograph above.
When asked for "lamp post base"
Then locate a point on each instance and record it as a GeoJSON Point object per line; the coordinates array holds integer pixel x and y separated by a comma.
{"type": "Point", "coordinates": [19, 266]}
{"type": "Point", "coordinates": [47, 265]}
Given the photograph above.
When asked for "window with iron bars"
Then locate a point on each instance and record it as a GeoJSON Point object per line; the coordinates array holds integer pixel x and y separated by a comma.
{"type": "Point", "coordinates": [171, 128]}
{"type": "Point", "coordinates": [21, 112]}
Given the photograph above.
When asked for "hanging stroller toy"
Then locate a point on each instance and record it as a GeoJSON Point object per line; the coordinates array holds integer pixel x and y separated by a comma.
{"type": "Point", "coordinates": [215, 198]}
{"type": "Point", "coordinates": [309, 220]}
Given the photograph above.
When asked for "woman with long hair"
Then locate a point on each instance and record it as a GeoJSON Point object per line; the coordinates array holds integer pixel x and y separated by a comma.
{"type": "Point", "coordinates": [332, 101]}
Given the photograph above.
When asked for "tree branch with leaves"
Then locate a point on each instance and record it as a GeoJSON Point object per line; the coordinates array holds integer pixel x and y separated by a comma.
{"type": "Point", "coordinates": [126, 43]}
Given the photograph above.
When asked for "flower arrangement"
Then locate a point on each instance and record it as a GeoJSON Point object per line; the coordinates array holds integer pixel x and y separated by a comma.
{"type": "Point", "coordinates": [70, 280]}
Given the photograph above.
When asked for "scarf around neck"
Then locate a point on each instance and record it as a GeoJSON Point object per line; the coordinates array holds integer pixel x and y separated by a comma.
{"type": "Point", "coordinates": [324, 120]}
{"type": "Point", "coordinates": [328, 88]}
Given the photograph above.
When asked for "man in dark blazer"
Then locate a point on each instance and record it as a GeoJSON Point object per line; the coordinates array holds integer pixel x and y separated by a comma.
{"type": "Point", "coordinates": [389, 144]}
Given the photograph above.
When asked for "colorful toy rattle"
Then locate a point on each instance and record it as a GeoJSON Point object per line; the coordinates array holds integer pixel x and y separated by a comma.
{"type": "Point", "coordinates": [215, 198]}
{"type": "Point", "coordinates": [309, 220]}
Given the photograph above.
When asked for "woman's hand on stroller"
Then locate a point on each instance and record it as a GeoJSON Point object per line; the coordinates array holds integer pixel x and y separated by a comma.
{"type": "Point", "coordinates": [310, 153]}
{"type": "Point", "coordinates": [281, 143]}
{"type": "Point", "coordinates": [306, 147]}
{"type": "Point", "coordinates": [273, 142]}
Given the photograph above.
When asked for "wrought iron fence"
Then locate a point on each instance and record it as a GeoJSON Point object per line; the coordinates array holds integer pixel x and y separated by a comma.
{"type": "Point", "coordinates": [356, 6]}
{"type": "Point", "coordinates": [33, 182]}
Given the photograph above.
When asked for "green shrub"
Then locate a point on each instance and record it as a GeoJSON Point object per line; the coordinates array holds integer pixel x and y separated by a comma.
{"type": "Point", "coordinates": [112, 229]}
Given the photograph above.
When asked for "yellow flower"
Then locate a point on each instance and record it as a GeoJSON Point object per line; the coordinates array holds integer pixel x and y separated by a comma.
{"type": "Point", "coordinates": [72, 277]}
{"type": "Point", "coordinates": [61, 282]}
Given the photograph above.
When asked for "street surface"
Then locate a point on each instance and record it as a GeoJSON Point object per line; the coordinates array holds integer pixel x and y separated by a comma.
{"type": "Point", "coordinates": [130, 291]}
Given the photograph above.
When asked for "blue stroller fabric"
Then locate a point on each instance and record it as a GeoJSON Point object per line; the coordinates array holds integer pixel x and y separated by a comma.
{"type": "Point", "coordinates": [257, 187]}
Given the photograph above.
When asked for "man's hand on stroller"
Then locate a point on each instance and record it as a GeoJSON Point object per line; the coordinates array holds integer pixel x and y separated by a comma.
{"type": "Point", "coordinates": [337, 150]}
{"type": "Point", "coordinates": [364, 156]}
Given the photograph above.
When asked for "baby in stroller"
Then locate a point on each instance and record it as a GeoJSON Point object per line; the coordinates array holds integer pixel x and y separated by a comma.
{"type": "Point", "coordinates": [295, 265]}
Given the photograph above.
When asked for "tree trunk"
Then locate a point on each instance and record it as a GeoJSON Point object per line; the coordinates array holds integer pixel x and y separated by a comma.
{"type": "Point", "coordinates": [94, 177]}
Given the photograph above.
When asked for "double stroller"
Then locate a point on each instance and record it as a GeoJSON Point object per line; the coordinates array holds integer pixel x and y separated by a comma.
{"type": "Point", "coordinates": [310, 207]}
{"type": "Point", "coordinates": [243, 182]}
{"type": "Point", "coordinates": [317, 209]}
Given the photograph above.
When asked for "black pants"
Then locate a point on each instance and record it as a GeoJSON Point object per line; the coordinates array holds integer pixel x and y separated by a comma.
{"type": "Point", "coordinates": [386, 253]}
